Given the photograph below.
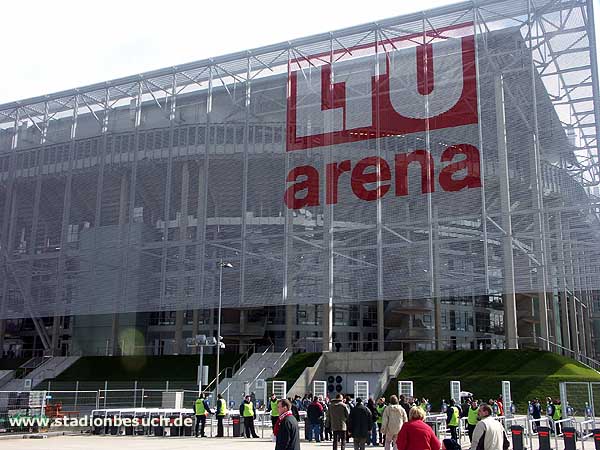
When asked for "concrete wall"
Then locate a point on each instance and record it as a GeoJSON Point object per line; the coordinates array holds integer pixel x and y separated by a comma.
{"type": "Point", "coordinates": [375, 367]}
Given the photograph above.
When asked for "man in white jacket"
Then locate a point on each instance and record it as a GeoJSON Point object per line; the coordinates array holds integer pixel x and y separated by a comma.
{"type": "Point", "coordinates": [393, 418]}
{"type": "Point", "coordinates": [490, 430]}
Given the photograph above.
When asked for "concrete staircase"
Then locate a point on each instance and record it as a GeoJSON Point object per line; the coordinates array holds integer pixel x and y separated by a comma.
{"type": "Point", "coordinates": [259, 366]}
{"type": "Point", "coordinates": [6, 376]}
{"type": "Point", "coordinates": [378, 368]}
{"type": "Point", "coordinates": [50, 368]}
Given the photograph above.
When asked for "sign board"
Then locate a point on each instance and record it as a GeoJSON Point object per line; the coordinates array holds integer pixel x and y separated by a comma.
{"type": "Point", "coordinates": [361, 389]}
{"type": "Point", "coordinates": [405, 388]}
{"type": "Point", "coordinates": [455, 391]}
{"type": "Point", "coordinates": [507, 398]}
{"type": "Point", "coordinates": [320, 388]}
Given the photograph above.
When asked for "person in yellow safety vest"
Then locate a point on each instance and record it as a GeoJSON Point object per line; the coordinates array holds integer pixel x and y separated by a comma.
{"type": "Point", "coordinates": [201, 409]}
{"type": "Point", "coordinates": [221, 413]}
{"type": "Point", "coordinates": [453, 419]}
{"type": "Point", "coordinates": [273, 408]}
{"type": "Point", "coordinates": [557, 414]}
{"type": "Point", "coordinates": [472, 419]}
{"type": "Point", "coordinates": [380, 408]}
{"type": "Point", "coordinates": [247, 412]}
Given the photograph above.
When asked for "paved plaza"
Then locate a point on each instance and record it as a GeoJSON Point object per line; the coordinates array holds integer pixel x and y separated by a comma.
{"type": "Point", "coordinates": [89, 442]}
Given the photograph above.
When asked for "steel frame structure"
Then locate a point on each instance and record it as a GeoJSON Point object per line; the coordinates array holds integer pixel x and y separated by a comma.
{"type": "Point", "coordinates": [550, 232]}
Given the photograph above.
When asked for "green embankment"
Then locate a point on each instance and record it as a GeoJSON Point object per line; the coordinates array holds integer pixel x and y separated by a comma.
{"type": "Point", "coordinates": [143, 368]}
{"type": "Point", "coordinates": [294, 367]}
{"type": "Point", "coordinates": [531, 373]}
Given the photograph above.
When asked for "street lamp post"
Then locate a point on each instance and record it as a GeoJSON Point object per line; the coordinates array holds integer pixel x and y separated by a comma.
{"type": "Point", "coordinates": [222, 264]}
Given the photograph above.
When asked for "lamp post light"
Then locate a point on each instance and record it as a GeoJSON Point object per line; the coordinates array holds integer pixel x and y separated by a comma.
{"type": "Point", "coordinates": [222, 264]}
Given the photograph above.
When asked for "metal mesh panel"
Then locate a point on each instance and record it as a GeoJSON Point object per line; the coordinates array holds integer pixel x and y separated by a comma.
{"type": "Point", "coordinates": [444, 164]}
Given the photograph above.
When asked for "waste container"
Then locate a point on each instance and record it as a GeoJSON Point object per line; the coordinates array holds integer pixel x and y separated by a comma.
{"type": "Point", "coordinates": [570, 438]}
{"type": "Point", "coordinates": [544, 438]}
{"type": "Point", "coordinates": [235, 424]}
{"type": "Point", "coordinates": [597, 439]}
{"type": "Point", "coordinates": [517, 437]}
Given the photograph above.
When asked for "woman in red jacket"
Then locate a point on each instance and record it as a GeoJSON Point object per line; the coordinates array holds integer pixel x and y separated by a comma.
{"type": "Point", "coordinates": [416, 434]}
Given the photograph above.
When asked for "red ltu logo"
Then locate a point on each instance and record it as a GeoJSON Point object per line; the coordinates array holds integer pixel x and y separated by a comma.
{"type": "Point", "coordinates": [416, 88]}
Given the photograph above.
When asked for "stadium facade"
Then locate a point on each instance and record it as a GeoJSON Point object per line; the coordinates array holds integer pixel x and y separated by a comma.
{"type": "Point", "coordinates": [424, 182]}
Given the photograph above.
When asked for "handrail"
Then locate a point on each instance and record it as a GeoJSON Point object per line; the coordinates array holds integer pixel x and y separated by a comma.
{"type": "Point", "coordinates": [279, 357]}
{"type": "Point", "coordinates": [206, 388]}
{"type": "Point", "coordinates": [267, 350]}
{"type": "Point", "coordinates": [257, 376]}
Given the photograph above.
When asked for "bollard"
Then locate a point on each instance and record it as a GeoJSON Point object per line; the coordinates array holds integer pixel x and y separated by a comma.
{"type": "Point", "coordinates": [544, 438]}
{"type": "Point", "coordinates": [597, 439]}
{"type": "Point", "coordinates": [517, 437]}
{"type": "Point", "coordinates": [570, 438]}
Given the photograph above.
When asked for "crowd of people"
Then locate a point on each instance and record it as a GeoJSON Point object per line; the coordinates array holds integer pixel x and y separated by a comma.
{"type": "Point", "coordinates": [396, 423]}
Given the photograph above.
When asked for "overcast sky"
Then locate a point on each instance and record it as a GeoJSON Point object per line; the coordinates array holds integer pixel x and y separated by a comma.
{"type": "Point", "coordinates": [53, 45]}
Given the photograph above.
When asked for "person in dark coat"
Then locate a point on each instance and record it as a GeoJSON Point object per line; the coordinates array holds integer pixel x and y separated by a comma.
{"type": "Point", "coordinates": [314, 413]}
{"type": "Point", "coordinates": [360, 423]}
{"type": "Point", "coordinates": [287, 433]}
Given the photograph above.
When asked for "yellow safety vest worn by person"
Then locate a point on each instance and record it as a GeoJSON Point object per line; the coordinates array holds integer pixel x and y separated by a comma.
{"type": "Point", "coordinates": [423, 406]}
{"type": "Point", "coordinates": [274, 408]}
{"type": "Point", "coordinates": [472, 417]}
{"type": "Point", "coordinates": [248, 410]}
{"type": "Point", "coordinates": [557, 412]}
{"type": "Point", "coordinates": [380, 409]}
{"type": "Point", "coordinates": [454, 418]}
{"type": "Point", "coordinates": [199, 407]}
{"type": "Point", "coordinates": [222, 411]}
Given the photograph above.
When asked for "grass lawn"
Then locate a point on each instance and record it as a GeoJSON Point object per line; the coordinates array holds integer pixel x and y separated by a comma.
{"type": "Point", "coordinates": [294, 367]}
{"type": "Point", "coordinates": [143, 368]}
{"type": "Point", "coordinates": [531, 373]}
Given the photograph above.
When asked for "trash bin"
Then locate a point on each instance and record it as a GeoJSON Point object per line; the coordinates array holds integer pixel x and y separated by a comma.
{"type": "Point", "coordinates": [570, 438]}
{"type": "Point", "coordinates": [517, 437]}
{"type": "Point", "coordinates": [544, 438]}
{"type": "Point", "coordinates": [597, 439]}
{"type": "Point", "coordinates": [235, 423]}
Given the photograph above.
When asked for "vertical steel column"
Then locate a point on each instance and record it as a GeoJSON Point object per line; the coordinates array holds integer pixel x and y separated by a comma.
{"type": "Point", "coordinates": [202, 207]}
{"type": "Point", "coordinates": [510, 309]}
{"type": "Point", "coordinates": [290, 318]}
{"type": "Point", "coordinates": [588, 303]}
{"type": "Point", "coordinates": [5, 221]}
{"type": "Point", "coordinates": [572, 301]}
{"type": "Point", "coordinates": [591, 33]}
{"type": "Point", "coordinates": [245, 184]}
{"type": "Point", "coordinates": [66, 218]}
{"type": "Point", "coordinates": [328, 211]}
{"type": "Point", "coordinates": [538, 205]}
{"type": "Point", "coordinates": [38, 324]}
{"type": "Point", "coordinates": [482, 171]}
{"type": "Point", "coordinates": [562, 278]}
{"type": "Point", "coordinates": [9, 204]}
{"type": "Point", "coordinates": [183, 224]}
{"type": "Point", "coordinates": [580, 295]}
{"type": "Point", "coordinates": [380, 266]}
{"type": "Point", "coordinates": [99, 188]}
{"type": "Point", "coordinates": [181, 277]}
{"type": "Point", "coordinates": [434, 286]}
